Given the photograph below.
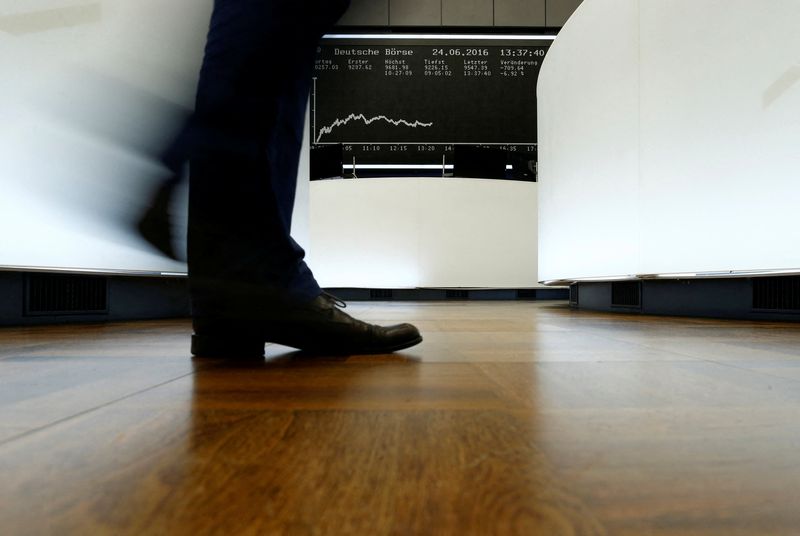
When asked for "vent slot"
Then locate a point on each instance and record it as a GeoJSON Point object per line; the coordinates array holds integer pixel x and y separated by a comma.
{"type": "Point", "coordinates": [776, 293]}
{"type": "Point", "coordinates": [55, 294]}
{"type": "Point", "coordinates": [526, 294]}
{"type": "Point", "coordinates": [456, 294]}
{"type": "Point", "coordinates": [626, 294]}
{"type": "Point", "coordinates": [381, 294]}
{"type": "Point", "coordinates": [573, 294]}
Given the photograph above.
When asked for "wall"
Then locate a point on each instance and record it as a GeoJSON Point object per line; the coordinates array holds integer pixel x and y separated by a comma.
{"type": "Point", "coordinates": [588, 101]}
{"type": "Point", "coordinates": [90, 90]}
{"type": "Point", "coordinates": [423, 232]}
{"type": "Point", "coordinates": [668, 142]}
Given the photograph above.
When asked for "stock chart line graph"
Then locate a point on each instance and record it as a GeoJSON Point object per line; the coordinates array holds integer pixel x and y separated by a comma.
{"type": "Point", "coordinates": [387, 102]}
{"type": "Point", "coordinates": [368, 121]}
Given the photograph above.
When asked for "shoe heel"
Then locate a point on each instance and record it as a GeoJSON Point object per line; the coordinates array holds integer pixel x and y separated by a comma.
{"type": "Point", "coordinates": [230, 346]}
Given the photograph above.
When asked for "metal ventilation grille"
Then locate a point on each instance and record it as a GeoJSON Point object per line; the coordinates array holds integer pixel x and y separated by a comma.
{"type": "Point", "coordinates": [456, 294]}
{"type": "Point", "coordinates": [573, 294]}
{"type": "Point", "coordinates": [626, 294]}
{"type": "Point", "coordinates": [381, 294]}
{"type": "Point", "coordinates": [49, 294]}
{"type": "Point", "coordinates": [776, 293]}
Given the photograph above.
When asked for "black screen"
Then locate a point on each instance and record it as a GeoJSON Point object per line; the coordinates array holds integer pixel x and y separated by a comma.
{"type": "Point", "coordinates": [400, 102]}
{"type": "Point", "coordinates": [484, 162]}
{"type": "Point", "coordinates": [326, 161]}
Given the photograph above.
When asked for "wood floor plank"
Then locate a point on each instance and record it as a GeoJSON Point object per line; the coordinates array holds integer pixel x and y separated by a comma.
{"type": "Point", "coordinates": [8, 433]}
{"type": "Point", "coordinates": [45, 383]}
{"type": "Point", "coordinates": [612, 385]}
{"type": "Point", "coordinates": [298, 472]}
{"type": "Point", "coordinates": [672, 471]}
{"type": "Point", "coordinates": [360, 384]}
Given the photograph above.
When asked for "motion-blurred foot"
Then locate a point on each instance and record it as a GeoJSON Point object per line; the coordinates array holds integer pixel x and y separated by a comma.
{"type": "Point", "coordinates": [155, 226]}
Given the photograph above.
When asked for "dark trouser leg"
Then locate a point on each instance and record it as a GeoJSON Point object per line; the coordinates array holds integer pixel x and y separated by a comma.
{"type": "Point", "coordinates": [248, 280]}
{"type": "Point", "coordinates": [248, 129]}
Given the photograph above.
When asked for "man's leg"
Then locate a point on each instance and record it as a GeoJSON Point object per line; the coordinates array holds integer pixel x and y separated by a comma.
{"type": "Point", "coordinates": [241, 177]}
{"type": "Point", "coordinates": [248, 280]}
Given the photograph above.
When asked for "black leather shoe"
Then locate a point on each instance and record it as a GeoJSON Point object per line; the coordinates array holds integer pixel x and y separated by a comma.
{"type": "Point", "coordinates": [319, 326]}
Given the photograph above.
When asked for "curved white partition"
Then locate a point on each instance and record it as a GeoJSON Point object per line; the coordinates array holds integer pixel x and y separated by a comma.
{"type": "Point", "coordinates": [423, 232]}
{"type": "Point", "coordinates": [669, 140]}
{"type": "Point", "coordinates": [87, 85]}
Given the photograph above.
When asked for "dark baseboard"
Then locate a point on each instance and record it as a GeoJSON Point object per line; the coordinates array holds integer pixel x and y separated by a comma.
{"type": "Point", "coordinates": [761, 298]}
{"type": "Point", "coordinates": [38, 298]}
{"type": "Point", "coordinates": [440, 294]}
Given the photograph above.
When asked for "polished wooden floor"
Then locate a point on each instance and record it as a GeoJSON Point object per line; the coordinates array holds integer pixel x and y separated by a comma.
{"type": "Point", "coordinates": [511, 418]}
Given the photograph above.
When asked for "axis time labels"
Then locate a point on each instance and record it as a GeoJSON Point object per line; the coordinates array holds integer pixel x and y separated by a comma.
{"type": "Point", "coordinates": [411, 103]}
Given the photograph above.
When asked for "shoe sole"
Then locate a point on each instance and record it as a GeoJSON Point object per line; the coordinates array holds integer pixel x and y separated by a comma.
{"type": "Point", "coordinates": [239, 347]}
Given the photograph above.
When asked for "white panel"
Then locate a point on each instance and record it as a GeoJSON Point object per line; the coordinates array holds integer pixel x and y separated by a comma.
{"type": "Point", "coordinates": [588, 145]}
{"type": "Point", "coordinates": [73, 212]}
{"type": "Point", "coordinates": [82, 81]}
{"type": "Point", "coordinates": [714, 188]}
{"type": "Point", "coordinates": [364, 233]}
{"type": "Point", "coordinates": [477, 233]}
{"type": "Point", "coordinates": [429, 232]}
{"type": "Point", "coordinates": [12, 8]}
{"type": "Point", "coordinates": [720, 135]}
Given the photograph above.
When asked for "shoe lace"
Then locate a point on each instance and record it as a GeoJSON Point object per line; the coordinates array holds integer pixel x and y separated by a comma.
{"type": "Point", "coordinates": [338, 302]}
